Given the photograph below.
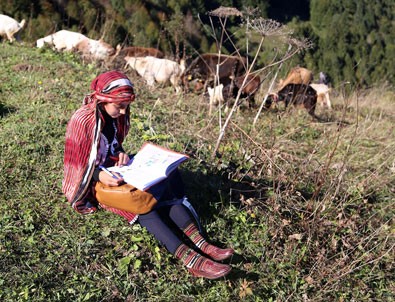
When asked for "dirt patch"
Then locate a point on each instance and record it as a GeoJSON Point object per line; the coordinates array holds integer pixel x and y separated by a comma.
{"type": "Point", "coordinates": [27, 67]}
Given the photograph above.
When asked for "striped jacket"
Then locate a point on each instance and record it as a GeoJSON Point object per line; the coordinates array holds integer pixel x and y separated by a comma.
{"type": "Point", "coordinates": [81, 150]}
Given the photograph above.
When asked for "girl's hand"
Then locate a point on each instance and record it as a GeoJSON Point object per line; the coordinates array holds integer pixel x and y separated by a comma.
{"type": "Point", "coordinates": [110, 181]}
{"type": "Point", "coordinates": [123, 159]}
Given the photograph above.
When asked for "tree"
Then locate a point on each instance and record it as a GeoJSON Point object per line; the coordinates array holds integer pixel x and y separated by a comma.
{"type": "Point", "coordinates": [355, 40]}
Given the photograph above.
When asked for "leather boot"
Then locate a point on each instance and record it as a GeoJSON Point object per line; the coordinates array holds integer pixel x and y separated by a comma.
{"type": "Point", "coordinates": [209, 269]}
{"type": "Point", "coordinates": [217, 253]}
{"type": "Point", "coordinates": [200, 266]}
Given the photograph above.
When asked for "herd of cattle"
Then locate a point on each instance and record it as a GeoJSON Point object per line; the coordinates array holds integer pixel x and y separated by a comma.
{"type": "Point", "coordinates": [223, 77]}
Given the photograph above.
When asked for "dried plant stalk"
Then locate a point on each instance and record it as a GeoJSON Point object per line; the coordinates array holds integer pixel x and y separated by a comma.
{"type": "Point", "coordinates": [224, 12]}
{"type": "Point", "coordinates": [269, 27]}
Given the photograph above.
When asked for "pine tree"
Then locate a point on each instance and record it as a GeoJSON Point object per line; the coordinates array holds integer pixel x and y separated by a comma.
{"type": "Point", "coordinates": [355, 40]}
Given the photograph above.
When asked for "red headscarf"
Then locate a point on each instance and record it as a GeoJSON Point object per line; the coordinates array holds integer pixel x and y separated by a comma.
{"type": "Point", "coordinates": [83, 134]}
{"type": "Point", "coordinates": [111, 87]}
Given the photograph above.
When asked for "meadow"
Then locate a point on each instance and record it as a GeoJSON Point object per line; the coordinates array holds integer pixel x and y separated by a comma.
{"type": "Point", "coordinates": [307, 204]}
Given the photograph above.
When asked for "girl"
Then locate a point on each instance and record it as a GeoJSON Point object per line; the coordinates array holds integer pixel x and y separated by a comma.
{"type": "Point", "coordinates": [94, 138]}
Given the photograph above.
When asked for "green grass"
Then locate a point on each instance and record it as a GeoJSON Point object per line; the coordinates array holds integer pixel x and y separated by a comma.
{"type": "Point", "coordinates": [307, 205]}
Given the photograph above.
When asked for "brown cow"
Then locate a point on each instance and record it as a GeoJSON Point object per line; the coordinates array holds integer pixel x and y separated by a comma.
{"type": "Point", "coordinates": [204, 67]}
{"type": "Point", "coordinates": [248, 91]}
{"type": "Point", "coordinates": [297, 75]}
{"type": "Point", "coordinates": [251, 85]}
{"type": "Point", "coordinates": [230, 88]}
{"type": "Point", "coordinates": [297, 95]}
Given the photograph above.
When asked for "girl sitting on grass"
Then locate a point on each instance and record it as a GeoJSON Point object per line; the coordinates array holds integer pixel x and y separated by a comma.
{"type": "Point", "coordinates": [94, 138]}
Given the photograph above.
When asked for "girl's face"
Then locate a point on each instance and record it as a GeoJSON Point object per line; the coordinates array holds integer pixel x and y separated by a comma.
{"type": "Point", "coordinates": [115, 110]}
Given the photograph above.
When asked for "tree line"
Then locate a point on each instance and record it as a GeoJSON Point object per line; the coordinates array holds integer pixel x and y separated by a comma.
{"type": "Point", "coordinates": [352, 40]}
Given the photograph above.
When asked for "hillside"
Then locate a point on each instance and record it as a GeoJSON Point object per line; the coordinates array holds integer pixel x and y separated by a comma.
{"type": "Point", "coordinates": [307, 204]}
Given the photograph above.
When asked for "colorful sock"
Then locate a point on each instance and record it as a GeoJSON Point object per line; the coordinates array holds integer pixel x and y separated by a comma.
{"type": "Point", "coordinates": [214, 252]}
{"type": "Point", "coordinates": [189, 257]}
{"type": "Point", "coordinates": [193, 233]}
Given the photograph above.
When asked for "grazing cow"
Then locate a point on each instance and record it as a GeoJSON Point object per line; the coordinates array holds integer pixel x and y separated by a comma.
{"type": "Point", "coordinates": [231, 87]}
{"type": "Point", "coordinates": [65, 40]}
{"type": "Point", "coordinates": [297, 95]}
{"type": "Point", "coordinates": [10, 28]}
{"type": "Point", "coordinates": [249, 89]}
{"type": "Point", "coordinates": [204, 67]}
{"type": "Point", "coordinates": [157, 70]}
{"type": "Point", "coordinates": [62, 40]}
{"type": "Point", "coordinates": [297, 75]}
{"type": "Point", "coordinates": [137, 51]}
{"type": "Point", "coordinates": [96, 50]}
{"type": "Point", "coordinates": [322, 94]}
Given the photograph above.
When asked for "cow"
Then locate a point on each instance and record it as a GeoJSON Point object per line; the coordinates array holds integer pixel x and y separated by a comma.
{"type": "Point", "coordinates": [297, 95]}
{"type": "Point", "coordinates": [61, 40]}
{"type": "Point", "coordinates": [96, 50]}
{"type": "Point", "coordinates": [230, 87]}
{"type": "Point", "coordinates": [204, 67]}
{"type": "Point", "coordinates": [138, 51]}
{"type": "Point", "coordinates": [157, 70]}
{"type": "Point", "coordinates": [297, 75]}
{"type": "Point", "coordinates": [248, 90]}
{"type": "Point", "coordinates": [10, 28]}
{"type": "Point", "coordinates": [322, 94]}
{"type": "Point", "coordinates": [65, 40]}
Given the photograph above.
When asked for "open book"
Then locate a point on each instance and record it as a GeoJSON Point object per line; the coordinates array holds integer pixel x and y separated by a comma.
{"type": "Point", "coordinates": [149, 166]}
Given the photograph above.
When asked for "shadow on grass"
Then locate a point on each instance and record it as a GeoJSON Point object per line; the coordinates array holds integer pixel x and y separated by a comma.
{"type": "Point", "coordinates": [209, 192]}
{"type": "Point", "coordinates": [239, 273]}
{"type": "Point", "coordinates": [325, 118]}
{"type": "Point", "coordinates": [5, 110]}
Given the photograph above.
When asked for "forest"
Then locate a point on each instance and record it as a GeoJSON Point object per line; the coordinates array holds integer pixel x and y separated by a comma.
{"type": "Point", "coordinates": [351, 41]}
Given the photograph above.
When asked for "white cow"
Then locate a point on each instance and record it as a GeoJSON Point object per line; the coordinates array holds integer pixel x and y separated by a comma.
{"type": "Point", "coordinates": [157, 70]}
{"type": "Point", "coordinates": [96, 49]}
{"type": "Point", "coordinates": [9, 27]}
{"type": "Point", "coordinates": [62, 40]}
{"type": "Point", "coordinates": [322, 94]}
{"type": "Point", "coordinates": [65, 40]}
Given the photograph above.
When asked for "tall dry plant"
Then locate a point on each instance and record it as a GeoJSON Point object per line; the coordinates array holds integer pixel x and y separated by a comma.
{"type": "Point", "coordinates": [266, 29]}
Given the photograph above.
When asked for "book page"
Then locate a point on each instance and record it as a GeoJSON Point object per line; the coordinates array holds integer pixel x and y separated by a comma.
{"type": "Point", "coordinates": [156, 159]}
{"type": "Point", "coordinates": [149, 166]}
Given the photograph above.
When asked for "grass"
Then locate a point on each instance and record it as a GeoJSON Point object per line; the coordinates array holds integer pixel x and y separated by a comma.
{"type": "Point", "coordinates": [308, 205]}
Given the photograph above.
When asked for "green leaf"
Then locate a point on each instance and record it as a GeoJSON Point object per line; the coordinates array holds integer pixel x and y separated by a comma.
{"type": "Point", "coordinates": [137, 264]}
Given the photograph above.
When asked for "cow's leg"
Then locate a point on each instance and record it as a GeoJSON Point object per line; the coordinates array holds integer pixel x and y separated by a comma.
{"type": "Point", "coordinates": [10, 37]}
{"type": "Point", "coordinates": [150, 79]}
{"type": "Point", "coordinates": [328, 101]}
{"type": "Point", "coordinates": [309, 104]}
{"type": "Point", "coordinates": [174, 80]}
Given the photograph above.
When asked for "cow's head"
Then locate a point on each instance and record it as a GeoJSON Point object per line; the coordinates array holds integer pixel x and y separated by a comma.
{"type": "Point", "coordinates": [101, 50]}
{"type": "Point", "coordinates": [271, 98]}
